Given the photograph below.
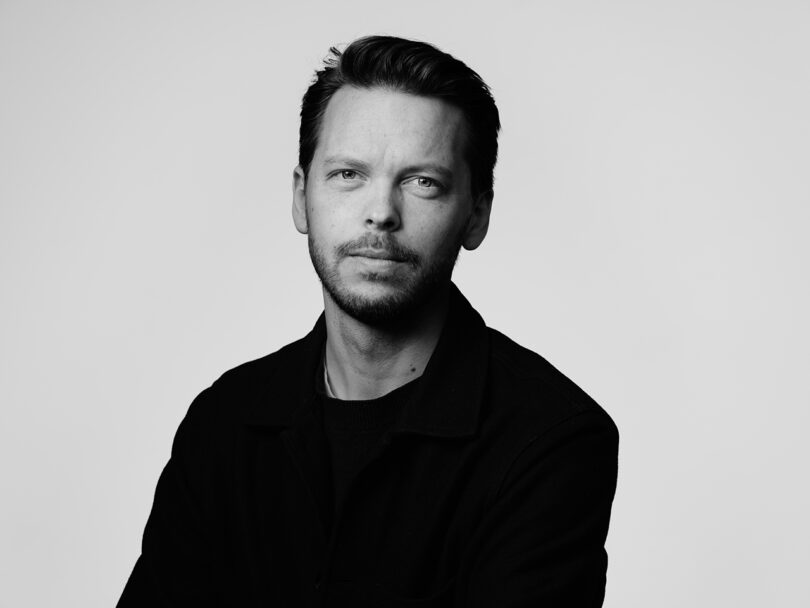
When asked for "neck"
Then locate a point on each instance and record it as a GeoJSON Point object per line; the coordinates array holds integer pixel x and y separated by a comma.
{"type": "Point", "coordinates": [365, 362]}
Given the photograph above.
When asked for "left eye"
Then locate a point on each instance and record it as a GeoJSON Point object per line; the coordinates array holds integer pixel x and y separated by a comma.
{"type": "Point", "coordinates": [425, 182]}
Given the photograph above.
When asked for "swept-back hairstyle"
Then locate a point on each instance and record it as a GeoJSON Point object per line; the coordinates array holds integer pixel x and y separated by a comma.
{"type": "Point", "coordinates": [412, 67]}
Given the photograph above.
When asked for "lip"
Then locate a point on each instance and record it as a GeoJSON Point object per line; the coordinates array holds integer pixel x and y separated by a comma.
{"type": "Point", "coordinates": [375, 254]}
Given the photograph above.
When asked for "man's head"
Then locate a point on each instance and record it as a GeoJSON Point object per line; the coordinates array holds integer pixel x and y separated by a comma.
{"type": "Point", "coordinates": [397, 148]}
{"type": "Point", "coordinates": [412, 67]}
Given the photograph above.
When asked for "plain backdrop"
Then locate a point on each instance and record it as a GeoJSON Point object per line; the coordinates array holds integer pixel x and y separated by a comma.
{"type": "Point", "coordinates": [649, 237]}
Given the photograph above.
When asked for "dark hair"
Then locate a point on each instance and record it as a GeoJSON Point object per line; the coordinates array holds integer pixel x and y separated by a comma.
{"type": "Point", "coordinates": [413, 67]}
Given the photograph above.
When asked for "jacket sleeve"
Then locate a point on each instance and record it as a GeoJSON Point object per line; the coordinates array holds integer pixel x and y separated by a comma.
{"type": "Point", "coordinates": [542, 542]}
{"type": "Point", "coordinates": [175, 565]}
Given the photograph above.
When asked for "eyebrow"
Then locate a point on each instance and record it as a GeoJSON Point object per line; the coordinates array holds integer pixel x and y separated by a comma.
{"type": "Point", "coordinates": [346, 161]}
{"type": "Point", "coordinates": [445, 173]}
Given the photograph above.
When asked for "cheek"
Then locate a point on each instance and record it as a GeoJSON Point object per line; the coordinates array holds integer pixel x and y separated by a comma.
{"type": "Point", "coordinates": [327, 209]}
{"type": "Point", "coordinates": [442, 235]}
{"type": "Point", "coordinates": [319, 217]}
{"type": "Point", "coordinates": [328, 232]}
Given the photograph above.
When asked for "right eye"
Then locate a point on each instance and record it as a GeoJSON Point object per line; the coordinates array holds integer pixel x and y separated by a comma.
{"type": "Point", "coordinates": [348, 174]}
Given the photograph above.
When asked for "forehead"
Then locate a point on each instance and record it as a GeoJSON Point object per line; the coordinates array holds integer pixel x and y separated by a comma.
{"type": "Point", "coordinates": [380, 123]}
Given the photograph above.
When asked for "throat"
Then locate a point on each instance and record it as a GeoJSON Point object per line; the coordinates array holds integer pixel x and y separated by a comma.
{"type": "Point", "coordinates": [363, 362]}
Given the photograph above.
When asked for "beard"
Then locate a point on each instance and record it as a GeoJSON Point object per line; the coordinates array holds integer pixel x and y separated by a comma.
{"type": "Point", "coordinates": [409, 291]}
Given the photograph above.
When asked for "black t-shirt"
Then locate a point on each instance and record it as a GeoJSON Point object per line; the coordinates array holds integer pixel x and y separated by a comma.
{"type": "Point", "coordinates": [355, 430]}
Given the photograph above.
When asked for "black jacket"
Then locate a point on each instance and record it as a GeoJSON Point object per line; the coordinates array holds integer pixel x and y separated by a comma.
{"type": "Point", "coordinates": [493, 488]}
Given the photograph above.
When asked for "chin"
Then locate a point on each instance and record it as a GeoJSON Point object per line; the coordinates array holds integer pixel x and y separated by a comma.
{"type": "Point", "coordinates": [377, 302]}
{"type": "Point", "coordinates": [383, 298]}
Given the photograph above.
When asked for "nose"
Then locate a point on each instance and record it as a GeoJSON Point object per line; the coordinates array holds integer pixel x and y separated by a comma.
{"type": "Point", "coordinates": [382, 211]}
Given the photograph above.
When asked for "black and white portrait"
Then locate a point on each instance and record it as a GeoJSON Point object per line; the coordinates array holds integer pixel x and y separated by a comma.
{"type": "Point", "coordinates": [439, 304]}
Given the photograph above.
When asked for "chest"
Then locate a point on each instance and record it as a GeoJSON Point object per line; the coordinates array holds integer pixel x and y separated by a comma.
{"type": "Point", "coordinates": [397, 532]}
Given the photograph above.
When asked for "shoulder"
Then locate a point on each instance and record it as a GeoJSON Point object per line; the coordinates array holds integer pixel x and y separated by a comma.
{"type": "Point", "coordinates": [258, 372]}
{"type": "Point", "coordinates": [543, 426]}
{"type": "Point", "coordinates": [265, 385]}
{"type": "Point", "coordinates": [534, 398]}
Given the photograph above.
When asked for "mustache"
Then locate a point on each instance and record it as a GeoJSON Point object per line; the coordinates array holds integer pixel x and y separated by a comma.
{"type": "Point", "coordinates": [386, 244]}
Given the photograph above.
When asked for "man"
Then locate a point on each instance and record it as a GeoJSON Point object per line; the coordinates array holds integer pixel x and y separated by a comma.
{"type": "Point", "coordinates": [402, 453]}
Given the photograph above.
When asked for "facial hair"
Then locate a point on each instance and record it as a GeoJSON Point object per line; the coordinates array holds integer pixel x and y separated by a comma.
{"type": "Point", "coordinates": [425, 279]}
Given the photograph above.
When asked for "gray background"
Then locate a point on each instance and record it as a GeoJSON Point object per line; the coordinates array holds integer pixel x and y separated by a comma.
{"type": "Point", "coordinates": [649, 237]}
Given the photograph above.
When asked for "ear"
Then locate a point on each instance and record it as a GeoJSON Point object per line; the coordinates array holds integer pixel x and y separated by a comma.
{"type": "Point", "coordinates": [299, 206]}
{"type": "Point", "coordinates": [478, 223]}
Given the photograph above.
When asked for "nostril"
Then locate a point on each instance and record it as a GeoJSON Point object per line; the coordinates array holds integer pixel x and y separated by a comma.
{"type": "Point", "coordinates": [382, 223]}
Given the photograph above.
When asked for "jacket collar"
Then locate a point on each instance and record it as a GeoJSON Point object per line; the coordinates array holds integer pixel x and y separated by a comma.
{"type": "Point", "coordinates": [445, 403]}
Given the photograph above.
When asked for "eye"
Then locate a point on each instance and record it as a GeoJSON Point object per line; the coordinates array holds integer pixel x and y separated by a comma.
{"type": "Point", "coordinates": [346, 179]}
{"type": "Point", "coordinates": [425, 187]}
{"type": "Point", "coordinates": [426, 182]}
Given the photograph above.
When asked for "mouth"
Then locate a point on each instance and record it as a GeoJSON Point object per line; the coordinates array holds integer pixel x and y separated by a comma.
{"type": "Point", "coordinates": [381, 255]}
